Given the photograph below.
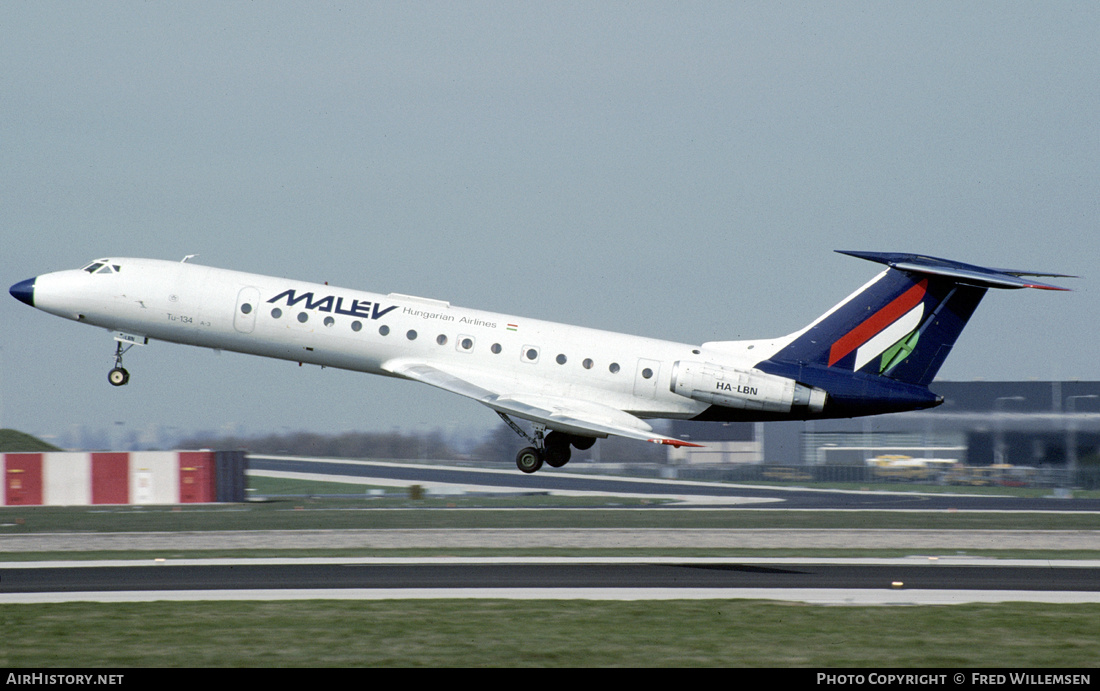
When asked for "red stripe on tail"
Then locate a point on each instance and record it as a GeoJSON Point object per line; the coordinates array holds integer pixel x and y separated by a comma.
{"type": "Point", "coordinates": [877, 322]}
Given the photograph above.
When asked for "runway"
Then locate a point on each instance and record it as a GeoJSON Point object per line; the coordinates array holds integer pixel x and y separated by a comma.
{"type": "Point", "coordinates": [819, 581]}
{"type": "Point", "coordinates": [913, 580]}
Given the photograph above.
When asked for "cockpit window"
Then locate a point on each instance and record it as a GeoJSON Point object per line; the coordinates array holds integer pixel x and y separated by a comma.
{"type": "Point", "coordinates": [100, 266]}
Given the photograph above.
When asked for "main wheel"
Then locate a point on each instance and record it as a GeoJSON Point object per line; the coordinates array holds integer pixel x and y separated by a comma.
{"type": "Point", "coordinates": [557, 449]}
{"type": "Point", "coordinates": [118, 376]}
{"type": "Point", "coordinates": [583, 443]}
{"type": "Point", "coordinates": [556, 458]}
{"type": "Point", "coordinates": [529, 459]}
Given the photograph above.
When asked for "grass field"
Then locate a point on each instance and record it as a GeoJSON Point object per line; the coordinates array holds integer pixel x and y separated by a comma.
{"type": "Point", "coordinates": [475, 633]}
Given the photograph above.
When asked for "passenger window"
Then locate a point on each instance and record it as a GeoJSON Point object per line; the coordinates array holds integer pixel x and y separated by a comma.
{"type": "Point", "coordinates": [329, 321]}
{"type": "Point", "coordinates": [465, 343]}
{"type": "Point", "coordinates": [441, 339]}
{"type": "Point", "coordinates": [587, 364]}
{"type": "Point", "coordinates": [614, 368]}
{"type": "Point", "coordinates": [411, 335]}
{"type": "Point", "coordinates": [384, 330]}
{"type": "Point", "coordinates": [276, 313]}
{"type": "Point", "coordinates": [357, 326]}
{"type": "Point", "coordinates": [530, 354]}
{"type": "Point", "coordinates": [495, 348]}
{"type": "Point", "coordinates": [303, 317]}
{"type": "Point", "coordinates": [561, 359]}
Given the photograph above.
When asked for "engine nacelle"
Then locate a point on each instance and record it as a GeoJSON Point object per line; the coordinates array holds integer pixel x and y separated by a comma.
{"type": "Point", "coordinates": [744, 389]}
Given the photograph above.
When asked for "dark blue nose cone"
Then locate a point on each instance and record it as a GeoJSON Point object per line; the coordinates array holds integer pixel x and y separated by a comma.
{"type": "Point", "coordinates": [23, 291]}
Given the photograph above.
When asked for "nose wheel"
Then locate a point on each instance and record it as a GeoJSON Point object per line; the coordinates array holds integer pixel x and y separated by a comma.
{"type": "Point", "coordinates": [118, 376]}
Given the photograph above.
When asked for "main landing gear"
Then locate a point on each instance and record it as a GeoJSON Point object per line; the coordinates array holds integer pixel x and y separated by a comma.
{"type": "Point", "coordinates": [551, 449]}
{"type": "Point", "coordinates": [118, 376]}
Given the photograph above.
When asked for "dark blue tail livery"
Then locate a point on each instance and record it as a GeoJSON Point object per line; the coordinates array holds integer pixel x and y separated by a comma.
{"type": "Point", "coordinates": [896, 332]}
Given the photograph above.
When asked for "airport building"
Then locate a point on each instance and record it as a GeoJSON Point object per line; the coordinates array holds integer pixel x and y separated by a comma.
{"type": "Point", "coordinates": [1036, 424]}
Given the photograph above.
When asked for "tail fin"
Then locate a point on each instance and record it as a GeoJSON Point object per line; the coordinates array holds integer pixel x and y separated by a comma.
{"type": "Point", "coordinates": [903, 324]}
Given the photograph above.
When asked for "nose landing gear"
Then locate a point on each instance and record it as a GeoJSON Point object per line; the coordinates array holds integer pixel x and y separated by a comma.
{"type": "Point", "coordinates": [118, 376]}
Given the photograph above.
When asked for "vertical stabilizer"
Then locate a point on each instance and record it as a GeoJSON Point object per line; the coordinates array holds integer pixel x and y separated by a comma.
{"type": "Point", "coordinates": [903, 324]}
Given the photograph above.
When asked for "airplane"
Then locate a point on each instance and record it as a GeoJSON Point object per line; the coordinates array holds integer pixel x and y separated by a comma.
{"type": "Point", "coordinates": [875, 352]}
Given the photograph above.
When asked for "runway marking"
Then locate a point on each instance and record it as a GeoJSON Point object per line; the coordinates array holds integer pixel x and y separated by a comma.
{"type": "Point", "coordinates": [917, 560]}
{"type": "Point", "coordinates": [813, 596]}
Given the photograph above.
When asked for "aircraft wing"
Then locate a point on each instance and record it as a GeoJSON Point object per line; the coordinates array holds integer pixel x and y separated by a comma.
{"type": "Point", "coordinates": [568, 415]}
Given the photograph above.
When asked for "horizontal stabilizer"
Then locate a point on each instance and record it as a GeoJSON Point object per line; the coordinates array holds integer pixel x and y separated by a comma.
{"type": "Point", "coordinates": [963, 273]}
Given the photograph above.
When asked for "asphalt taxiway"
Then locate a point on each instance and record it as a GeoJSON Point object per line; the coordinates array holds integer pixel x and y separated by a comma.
{"type": "Point", "coordinates": [455, 479]}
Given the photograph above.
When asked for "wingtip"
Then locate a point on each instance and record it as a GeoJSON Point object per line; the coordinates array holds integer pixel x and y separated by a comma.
{"type": "Point", "coordinates": [675, 442]}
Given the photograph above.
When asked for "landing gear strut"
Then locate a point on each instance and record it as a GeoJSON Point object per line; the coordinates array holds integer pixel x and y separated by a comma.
{"type": "Point", "coordinates": [551, 449]}
{"type": "Point", "coordinates": [118, 376]}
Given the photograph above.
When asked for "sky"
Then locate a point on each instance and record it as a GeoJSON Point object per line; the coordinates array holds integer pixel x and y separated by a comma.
{"type": "Point", "coordinates": [675, 170]}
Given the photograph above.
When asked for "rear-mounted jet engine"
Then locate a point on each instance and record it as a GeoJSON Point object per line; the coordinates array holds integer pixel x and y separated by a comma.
{"type": "Point", "coordinates": [743, 389]}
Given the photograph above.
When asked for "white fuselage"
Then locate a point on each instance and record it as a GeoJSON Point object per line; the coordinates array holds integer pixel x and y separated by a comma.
{"type": "Point", "coordinates": [369, 332]}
